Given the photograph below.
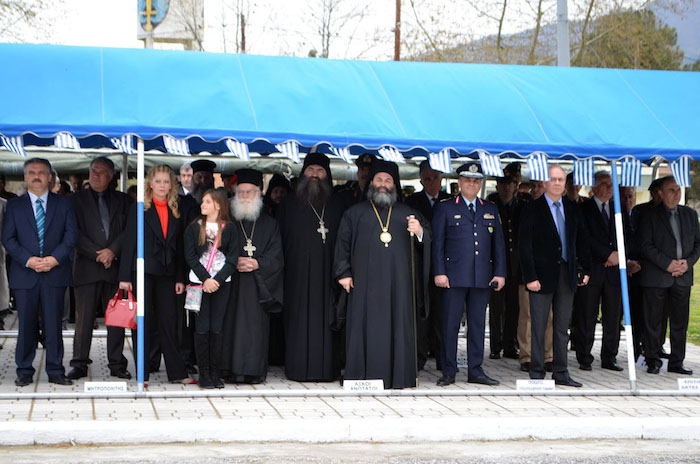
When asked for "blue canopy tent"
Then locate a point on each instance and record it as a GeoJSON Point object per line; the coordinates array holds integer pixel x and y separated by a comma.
{"type": "Point", "coordinates": [229, 104]}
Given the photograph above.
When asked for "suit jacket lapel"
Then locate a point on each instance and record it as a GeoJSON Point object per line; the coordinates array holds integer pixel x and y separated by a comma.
{"type": "Point", "coordinates": [29, 214]}
{"type": "Point", "coordinates": [547, 213]}
{"type": "Point", "coordinates": [151, 218]}
{"type": "Point", "coordinates": [50, 211]}
{"type": "Point", "coordinates": [171, 226]}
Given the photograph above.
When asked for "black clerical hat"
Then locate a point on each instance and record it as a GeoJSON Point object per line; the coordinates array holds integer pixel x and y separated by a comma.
{"type": "Point", "coordinates": [249, 176]}
{"type": "Point", "coordinates": [379, 165]}
{"type": "Point", "coordinates": [318, 159]}
{"type": "Point", "coordinates": [203, 165]}
{"type": "Point", "coordinates": [472, 169]}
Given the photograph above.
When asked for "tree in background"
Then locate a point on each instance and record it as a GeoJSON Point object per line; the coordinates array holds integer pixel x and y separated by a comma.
{"type": "Point", "coordinates": [25, 20]}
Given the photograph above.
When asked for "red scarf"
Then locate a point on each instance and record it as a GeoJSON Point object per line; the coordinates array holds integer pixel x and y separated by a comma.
{"type": "Point", "coordinates": [162, 210]}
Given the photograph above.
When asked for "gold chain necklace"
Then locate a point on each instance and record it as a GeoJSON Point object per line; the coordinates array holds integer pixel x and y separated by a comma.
{"type": "Point", "coordinates": [385, 236]}
{"type": "Point", "coordinates": [249, 247]}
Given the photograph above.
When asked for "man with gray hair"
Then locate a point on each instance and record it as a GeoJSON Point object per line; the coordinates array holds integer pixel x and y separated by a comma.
{"type": "Point", "coordinates": [185, 179]}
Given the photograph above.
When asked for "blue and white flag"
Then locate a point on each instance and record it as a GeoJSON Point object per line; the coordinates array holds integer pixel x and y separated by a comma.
{"type": "Point", "coordinates": [124, 144]}
{"type": "Point", "coordinates": [630, 172]}
{"type": "Point", "coordinates": [584, 171]}
{"type": "Point", "coordinates": [441, 161]}
{"type": "Point", "coordinates": [66, 140]}
{"type": "Point", "coordinates": [176, 147]}
{"type": "Point", "coordinates": [290, 150]}
{"type": "Point", "coordinates": [391, 154]}
{"type": "Point", "coordinates": [681, 170]}
{"type": "Point", "coordinates": [342, 153]}
{"type": "Point", "coordinates": [238, 149]}
{"type": "Point", "coordinates": [537, 164]}
{"type": "Point", "coordinates": [490, 164]}
{"type": "Point", "coordinates": [14, 144]}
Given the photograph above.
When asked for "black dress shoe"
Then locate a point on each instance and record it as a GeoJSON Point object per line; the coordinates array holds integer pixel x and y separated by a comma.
{"type": "Point", "coordinates": [60, 380]}
{"type": "Point", "coordinates": [548, 366]}
{"type": "Point", "coordinates": [495, 356]}
{"type": "Point", "coordinates": [613, 366]}
{"type": "Point", "coordinates": [525, 367]}
{"type": "Point", "coordinates": [663, 354]}
{"type": "Point", "coordinates": [122, 374]}
{"type": "Point", "coordinates": [585, 367]}
{"type": "Point", "coordinates": [511, 354]}
{"type": "Point", "coordinates": [77, 373]}
{"type": "Point", "coordinates": [23, 381]}
{"type": "Point", "coordinates": [568, 382]}
{"type": "Point", "coordinates": [483, 380]}
{"type": "Point", "coordinates": [653, 369]}
{"type": "Point", "coordinates": [445, 380]}
{"type": "Point", "coordinates": [680, 370]}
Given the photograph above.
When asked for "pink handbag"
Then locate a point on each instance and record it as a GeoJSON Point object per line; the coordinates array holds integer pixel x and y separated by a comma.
{"type": "Point", "coordinates": [121, 312]}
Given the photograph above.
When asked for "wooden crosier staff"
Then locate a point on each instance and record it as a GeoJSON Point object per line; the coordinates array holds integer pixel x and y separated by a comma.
{"type": "Point", "coordinates": [413, 300]}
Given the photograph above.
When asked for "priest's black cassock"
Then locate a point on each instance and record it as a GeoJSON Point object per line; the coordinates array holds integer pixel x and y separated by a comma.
{"type": "Point", "coordinates": [379, 325]}
{"type": "Point", "coordinates": [254, 295]}
{"type": "Point", "coordinates": [309, 287]}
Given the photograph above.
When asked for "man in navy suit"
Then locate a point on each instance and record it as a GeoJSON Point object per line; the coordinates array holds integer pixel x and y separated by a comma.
{"type": "Point", "coordinates": [469, 258]}
{"type": "Point", "coordinates": [40, 232]}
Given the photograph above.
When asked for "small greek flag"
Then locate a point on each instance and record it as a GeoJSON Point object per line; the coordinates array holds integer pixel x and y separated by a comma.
{"type": "Point", "coordinates": [238, 149]}
{"type": "Point", "coordinates": [681, 170]}
{"type": "Point", "coordinates": [441, 161]}
{"type": "Point", "coordinates": [290, 150]}
{"type": "Point", "coordinates": [631, 172]}
{"type": "Point", "coordinates": [14, 144]}
{"type": "Point", "coordinates": [584, 171]}
{"type": "Point", "coordinates": [124, 144]}
{"type": "Point", "coordinates": [66, 140]}
{"type": "Point", "coordinates": [391, 154]}
{"type": "Point", "coordinates": [490, 164]}
{"type": "Point", "coordinates": [176, 147]}
{"type": "Point", "coordinates": [342, 153]}
{"type": "Point", "coordinates": [537, 164]}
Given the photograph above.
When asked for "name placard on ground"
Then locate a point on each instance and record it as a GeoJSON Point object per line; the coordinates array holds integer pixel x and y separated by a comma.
{"type": "Point", "coordinates": [534, 385]}
{"type": "Point", "coordinates": [462, 361]}
{"type": "Point", "coordinates": [105, 387]}
{"type": "Point", "coordinates": [689, 384]}
{"type": "Point", "coordinates": [363, 385]}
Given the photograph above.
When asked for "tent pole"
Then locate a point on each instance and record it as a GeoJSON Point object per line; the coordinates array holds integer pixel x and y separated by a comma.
{"type": "Point", "coordinates": [140, 269]}
{"type": "Point", "coordinates": [622, 255]}
{"type": "Point", "coordinates": [125, 171]}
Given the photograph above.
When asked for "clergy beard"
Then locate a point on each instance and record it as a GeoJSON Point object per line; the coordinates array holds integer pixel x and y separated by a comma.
{"type": "Point", "coordinates": [246, 209]}
{"type": "Point", "coordinates": [198, 191]}
{"type": "Point", "coordinates": [381, 199]}
{"type": "Point", "coordinates": [313, 191]}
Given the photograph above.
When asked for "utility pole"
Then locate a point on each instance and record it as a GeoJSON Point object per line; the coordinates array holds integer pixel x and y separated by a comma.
{"type": "Point", "coordinates": [242, 33]}
{"type": "Point", "coordinates": [397, 32]}
{"type": "Point", "coordinates": [563, 57]}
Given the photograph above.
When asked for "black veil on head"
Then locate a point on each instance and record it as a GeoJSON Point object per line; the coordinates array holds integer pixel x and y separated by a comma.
{"type": "Point", "coordinates": [379, 165]}
{"type": "Point", "coordinates": [321, 160]}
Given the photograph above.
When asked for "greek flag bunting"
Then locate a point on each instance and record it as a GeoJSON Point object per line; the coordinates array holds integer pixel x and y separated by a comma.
{"type": "Point", "coordinates": [290, 150]}
{"type": "Point", "coordinates": [583, 172]}
{"type": "Point", "coordinates": [491, 164]}
{"type": "Point", "coordinates": [441, 161]}
{"type": "Point", "coordinates": [342, 153]}
{"type": "Point", "coordinates": [681, 170]}
{"type": "Point", "coordinates": [391, 154]}
{"type": "Point", "coordinates": [14, 144]}
{"type": "Point", "coordinates": [66, 140]}
{"type": "Point", "coordinates": [630, 172]}
{"type": "Point", "coordinates": [537, 164]}
{"type": "Point", "coordinates": [238, 149]}
{"type": "Point", "coordinates": [124, 144]}
{"type": "Point", "coordinates": [176, 147]}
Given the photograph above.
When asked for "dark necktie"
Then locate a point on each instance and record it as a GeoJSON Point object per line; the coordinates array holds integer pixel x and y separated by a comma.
{"type": "Point", "coordinates": [606, 217]}
{"type": "Point", "coordinates": [471, 210]}
{"type": "Point", "coordinates": [104, 213]}
{"type": "Point", "coordinates": [561, 228]}
{"type": "Point", "coordinates": [676, 228]}
{"type": "Point", "coordinates": [432, 201]}
{"type": "Point", "coordinates": [40, 219]}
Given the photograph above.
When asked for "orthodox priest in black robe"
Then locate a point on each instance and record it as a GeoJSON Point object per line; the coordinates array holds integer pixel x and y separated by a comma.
{"type": "Point", "coordinates": [256, 289]}
{"type": "Point", "coordinates": [373, 264]}
{"type": "Point", "coordinates": [309, 219]}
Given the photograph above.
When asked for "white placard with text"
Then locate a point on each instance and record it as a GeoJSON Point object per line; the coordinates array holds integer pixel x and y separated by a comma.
{"type": "Point", "coordinates": [363, 385]}
{"type": "Point", "coordinates": [689, 384]}
{"type": "Point", "coordinates": [534, 385]}
{"type": "Point", "coordinates": [105, 387]}
{"type": "Point", "coordinates": [462, 361]}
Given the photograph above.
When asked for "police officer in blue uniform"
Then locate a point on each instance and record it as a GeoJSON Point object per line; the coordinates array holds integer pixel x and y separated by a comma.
{"type": "Point", "coordinates": [469, 259]}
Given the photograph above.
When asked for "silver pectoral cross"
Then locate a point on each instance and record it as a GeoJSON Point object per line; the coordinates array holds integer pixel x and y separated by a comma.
{"type": "Point", "coordinates": [322, 230]}
{"type": "Point", "coordinates": [249, 248]}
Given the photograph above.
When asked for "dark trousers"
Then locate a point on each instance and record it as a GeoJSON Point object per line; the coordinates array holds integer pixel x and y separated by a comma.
{"type": "Point", "coordinates": [186, 324]}
{"type": "Point", "coordinates": [211, 314]}
{"type": "Point", "coordinates": [591, 296]}
{"type": "Point", "coordinates": [561, 302]}
{"type": "Point", "coordinates": [161, 312]}
{"type": "Point", "coordinates": [453, 300]}
{"type": "Point", "coordinates": [677, 299]}
{"type": "Point", "coordinates": [89, 300]}
{"type": "Point", "coordinates": [638, 320]}
{"type": "Point", "coordinates": [503, 318]}
{"type": "Point", "coordinates": [31, 303]}
{"type": "Point", "coordinates": [429, 331]}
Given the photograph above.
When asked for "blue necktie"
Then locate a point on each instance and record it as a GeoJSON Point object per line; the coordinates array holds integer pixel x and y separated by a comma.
{"type": "Point", "coordinates": [40, 218]}
{"type": "Point", "coordinates": [561, 227]}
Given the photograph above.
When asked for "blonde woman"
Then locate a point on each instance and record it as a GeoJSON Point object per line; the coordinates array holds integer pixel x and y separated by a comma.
{"type": "Point", "coordinates": [164, 267]}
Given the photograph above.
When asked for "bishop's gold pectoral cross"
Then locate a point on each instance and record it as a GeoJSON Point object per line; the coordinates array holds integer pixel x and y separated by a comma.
{"type": "Point", "coordinates": [323, 230]}
{"type": "Point", "coordinates": [148, 13]}
{"type": "Point", "coordinates": [249, 248]}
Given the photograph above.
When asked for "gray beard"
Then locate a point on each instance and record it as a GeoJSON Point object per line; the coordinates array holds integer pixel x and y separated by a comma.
{"type": "Point", "coordinates": [381, 199]}
{"type": "Point", "coordinates": [246, 210]}
{"type": "Point", "coordinates": [313, 192]}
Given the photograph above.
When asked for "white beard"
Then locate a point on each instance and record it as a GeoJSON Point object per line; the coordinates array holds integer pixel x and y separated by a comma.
{"type": "Point", "coordinates": [246, 210]}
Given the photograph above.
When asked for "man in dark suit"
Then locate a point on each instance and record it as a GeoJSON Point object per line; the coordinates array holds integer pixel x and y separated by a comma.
{"type": "Point", "coordinates": [604, 283]}
{"type": "Point", "coordinates": [40, 232]}
{"type": "Point", "coordinates": [552, 246]}
{"type": "Point", "coordinates": [669, 237]}
{"type": "Point", "coordinates": [101, 214]}
{"type": "Point", "coordinates": [429, 330]}
{"type": "Point", "coordinates": [469, 259]}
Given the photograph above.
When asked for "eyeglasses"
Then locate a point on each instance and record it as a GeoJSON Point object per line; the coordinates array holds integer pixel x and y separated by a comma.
{"type": "Point", "coordinates": [245, 193]}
